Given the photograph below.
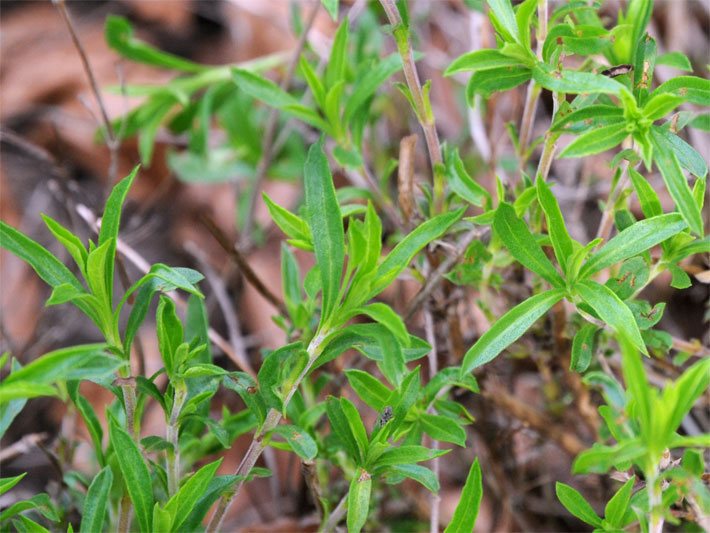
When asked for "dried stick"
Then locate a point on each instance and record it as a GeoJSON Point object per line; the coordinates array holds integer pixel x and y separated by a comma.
{"type": "Point", "coordinates": [534, 419]}
{"type": "Point", "coordinates": [243, 265]}
{"type": "Point", "coordinates": [267, 146]}
{"type": "Point", "coordinates": [112, 141]}
{"type": "Point", "coordinates": [337, 515]}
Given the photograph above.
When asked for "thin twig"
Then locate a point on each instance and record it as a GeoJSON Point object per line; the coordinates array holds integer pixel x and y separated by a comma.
{"type": "Point", "coordinates": [534, 419]}
{"type": "Point", "coordinates": [243, 265]}
{"type": "Point", "coordinates": [267, 146]}
{"type": "Point", "coordinates": [21, 447]}
{"type": "Point", "coordinates": [421, 103]}
{"type": "Point", "coordinates": [337, 515]}
{"type": "Point", "coordinates": [112, 141]}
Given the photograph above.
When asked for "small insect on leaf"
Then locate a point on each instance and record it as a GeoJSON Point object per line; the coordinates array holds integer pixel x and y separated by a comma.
{"type": "Point", "coordinates": [618, 70]}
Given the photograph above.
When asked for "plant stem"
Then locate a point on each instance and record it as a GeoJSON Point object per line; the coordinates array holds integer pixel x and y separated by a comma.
{"type": "Point", "coordinates": [124, 515]}
{"type": "Point", "coordinates": [171, 434]}
{"type": "Point", "coordinates": [654, 502]}
{"type": "Point", "coordinates": [607, 217]}
{"type": "Point", "coordinates": [533, 93]}
{"type": "Point", "coordinates": [257, 446]}
{"type": "Point", "coordinates": [337, 515]}
{"type": "Point", "coordinates": [433, 356]}
{"type": "Point", "coordinates": [422, 106]}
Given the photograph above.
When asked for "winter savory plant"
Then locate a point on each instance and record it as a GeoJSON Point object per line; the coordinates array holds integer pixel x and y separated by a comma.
{"type": "Point", "coordinates": [395, 411]}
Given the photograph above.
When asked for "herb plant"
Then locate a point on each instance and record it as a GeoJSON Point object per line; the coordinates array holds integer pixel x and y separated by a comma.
{"type": "Point", "coordinates": [393, 411]}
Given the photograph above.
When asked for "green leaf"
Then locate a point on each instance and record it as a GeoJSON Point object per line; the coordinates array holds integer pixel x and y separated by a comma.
{"type": "Point", "coordinates": [370, 389]}
{"type": "Point", "coordinates": [331, 6]}
{"type": "Point", "coordinates": [466, 511]}
{"type": "Point", "coordinates": [509, 328]}
{"type": "Point", "coordinates": [688, 156]}
{"type": "Point", "coordinates": [694, 89]}
{"type": "Point", "coordinates": [383, 313]}
{"type": "Point", "coordinates": [460, 181]}
{"type": "Point", "coordinates": [639, 237]}
{"type": "Point", "coordinates": [325, 222]}
{"type": "Point", "coordinates": [7, 483]}
{"type": "Point", "coordinates": [86, 361]}
{"type": "Point", "coordinates": [111, 220]}
{"type": "Point", "coordinates": [523, 19]}
{"type": "Point", "coordinates": [47, 267]}
{"type": "Point", "coordinates": [591, 114]}
{"type": "Point", "coordinates": [505, 16]}
{"type": "Point", "coordinates": [262, 89]}
{"type": "Point", "coordinates": [676, 60]}
{"type": "Point", "coordinates": [573, 82]}
{"type": "Point", "coordinates": [135, 475]}
{"type": "Point", "coordinates": [359, 501]}
{"type": "Point", "coordinates": [596, 141]}
{"type": "Point", "coordinates": [119, 36]}
{"type": "Point", "coordinates": [183, 501]}
{"type": "Point", "coordinates": [27, 525]}
{"type": "Point", "coordinates": [170, 333]}
{"type": "Point", "coordinates": [443, 428]}
{"type": "Point", "coordinates": [372, 79]}
{"type": "Point", "coordinates": [486, 59]}
{"type": "Point", "coordinates": [522, 245]}
{"type": "Point", "coordinates": [420, 474]}
{"type": "Point", "coordinates": [561, 241]}
{"type": "Point", "coordinates": [583, 347]}
{"type": "Point", "coordinates": [659, 105]}
{"type": "Point", "coordinates": [96, 501]}
{"type": "Point", "coordinates": [611, 310]}
{"type": "Point", "coordinates": [343, 429]}
{"type": "Point", "coordinates": [487, 82]}
{"type": "Point", "coordinates": [575, 503]}
{"type": "Point", "coordinates": [617, 507]}
{"type": "Point", "coordinates": [667, 162]}
{"type": "Point", "coordinates": [70, 241]}
{"type": "Point", "coordinates": [292, 225]}
{"type": "Point", "coordinates": [335, 70]}
{"type": "Point", "coordinates": [97, 266]}
{"type": "Point", "coordinates": [300, 441]}
{"type": "Point", "coordinates": [90, 419]}
{"type": "Point", "coordinates": [402, 254]}
{"type": "Point", "coordinates": [23, 390]}
{"type": "Point", "coordinates": [650, 204]}
{"type": "Point", "coordinates": [407, 454]}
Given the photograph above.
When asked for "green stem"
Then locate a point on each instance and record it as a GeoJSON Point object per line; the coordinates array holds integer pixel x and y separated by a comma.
{"type": "Point", "coordinates": [258, 444]}
{"type": "Point", "coordinates": [655, 502]}
{"type": "Point", "coordinates": [171, 434]}
{"type": "Point", "coordinates": [422, 106]}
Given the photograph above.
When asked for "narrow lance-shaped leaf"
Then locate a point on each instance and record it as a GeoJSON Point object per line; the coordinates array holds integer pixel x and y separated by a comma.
{"type": "Point", "coordinates": [573, 82]}
{"type": "Point", "coordinates": [110, 223]}
{"type": "Point", "coordinates": [611, 310]}
{"type": "Point", "coordinates": [635, 239]}
{"type": "Point", "coordinates": [503, 11]}
{"type": "Point", "coordinates": [184, 500]}
{"type": "Point", "coordinates": [596, 141]}
{"type": "Point", "coordinates": [325, 222]}
{"type": "Point", "coordinates": [521, 243]}
{"type": "Point", "coordinates": [480, 60]}
{"type": "Point", "coordinates": [48, 267]}
{"type": "Point", "coordinates": [92, 519]}
{"type": "Point", "coordinates": [359, 501]}
{"type": "Point", "coordinates": [135, 475]}
{"type": "Point", "coordinates": [575, 503]}
{"type": "Point", "coordinates": [402, 254]}
{"type": "Point", "coordinates": [467, 509]}
{"type": "Point", "coordinates": [509, 328]}
{"type": "Point", "coordinates": [677, 184]}
{"type": "Point", "coordinates": [561, 241]}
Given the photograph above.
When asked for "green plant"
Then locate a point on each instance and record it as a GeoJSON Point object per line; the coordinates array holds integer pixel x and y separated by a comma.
{"type": "Point", "coordinates": [170, 482]}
